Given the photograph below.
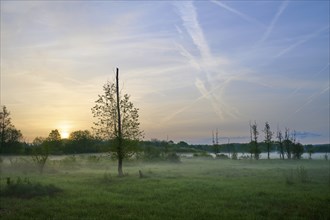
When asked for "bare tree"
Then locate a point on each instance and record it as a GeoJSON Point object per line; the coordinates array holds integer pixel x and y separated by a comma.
{"type": "Point", "coordinates": [268, 137]}
{"type": "Point", "coordinates": [287, 143]}
{"type": "Point", "coordinates": [280, 143]}
{"type": "Point", "coordinates": [117, 120]}
{"type": "Point", "coordinates": [254, 140]}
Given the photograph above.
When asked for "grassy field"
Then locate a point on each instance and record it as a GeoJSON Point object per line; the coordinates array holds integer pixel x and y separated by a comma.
{"type": "Point", "coordinates": [196, 188]}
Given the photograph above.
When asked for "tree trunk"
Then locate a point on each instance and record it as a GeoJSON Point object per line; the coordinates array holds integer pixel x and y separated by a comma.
{"type": "Point", "coordinates": [120, 138]}
{"type": "Point", "coordinates": [268, 149]}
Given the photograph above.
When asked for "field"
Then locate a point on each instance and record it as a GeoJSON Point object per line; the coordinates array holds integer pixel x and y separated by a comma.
{"type": "Point", "coordinates": [196, 188]}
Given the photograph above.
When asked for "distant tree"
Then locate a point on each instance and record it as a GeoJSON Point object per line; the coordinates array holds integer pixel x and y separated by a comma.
{"type": "Point", "coordinates": [10, 136]}
{"type": "Point", "coordinates": [280, 143]}
{"type": "Point", "coordinates": [310, 150]}
{"type": "Point", "coordinates": [256, 151]}
{"type": "Point", "coordinates": [268, 137]}
{"type": "Point", "coordinates": [297, 150]}
{"type": "Point", "coordinates": [80, 141]}
{"type": "Point", "coordinates": [117, 120]}
{"type": "Point", "coordinates": [183, 144]}
{"type": "Point", "coordinates": [287, 142]}
{"type": "Point", "coordinates": [215, 141]}
{"type": "Point", "coordinates": [54, 141]}
{"type": "Point", "coordinates": [40, 152]}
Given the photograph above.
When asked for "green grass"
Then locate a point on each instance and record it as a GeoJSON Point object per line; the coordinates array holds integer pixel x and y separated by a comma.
{"type": "Point", "coordinates": [197, 188]}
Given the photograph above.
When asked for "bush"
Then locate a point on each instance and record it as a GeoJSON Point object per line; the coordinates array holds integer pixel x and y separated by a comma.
{"type": "Point", "coordinates": [302, 174]}
{"type": "Point", "coordinates": [222, 156]}
{"type": "Point", "coordinates": [24, 188]}
{"type": "Point", "coordinates": [299, 175]}
{"type": "Point", "coordinates": [173, 157]}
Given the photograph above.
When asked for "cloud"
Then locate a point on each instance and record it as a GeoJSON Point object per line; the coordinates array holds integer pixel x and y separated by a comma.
{"type": "Point", "coordinates": [306, 134]}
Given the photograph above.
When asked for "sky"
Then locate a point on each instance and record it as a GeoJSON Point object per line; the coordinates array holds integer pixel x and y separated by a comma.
{"type": "Point", "coordinates": [190, 67]}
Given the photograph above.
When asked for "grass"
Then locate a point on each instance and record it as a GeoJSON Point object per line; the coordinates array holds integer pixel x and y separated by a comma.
{"type": "Point", "coordinates": [198, 188]}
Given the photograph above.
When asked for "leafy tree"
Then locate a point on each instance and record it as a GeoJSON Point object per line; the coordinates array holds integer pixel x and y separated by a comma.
{"type": "Point", "coordinates": [80, 141]}
{"type": "Point", "coordinates": [268, 137]}
{"type": "Point", "coordinates": [310, 151]}
{"type": "Point", "coordinates": [9, 135]}
{"type": "Point", "coordinates": [297, 150]}
{"type": "Point", "coordinates": [40, 152]}
{"type": "Point", "coordinates": [54, 141]}
{"type": "Point", "coordinates": [117, 120]}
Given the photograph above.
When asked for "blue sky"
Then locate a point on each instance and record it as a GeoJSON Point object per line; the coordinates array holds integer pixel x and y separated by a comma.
{"type": "Point", "coordinates": [190, 67]}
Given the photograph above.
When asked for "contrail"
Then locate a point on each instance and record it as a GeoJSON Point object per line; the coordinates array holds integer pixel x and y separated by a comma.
{"type": "Point", "coordinates": [236, 12]}
{"type": "Point", "coordinates": [314, 76]}
{"type": "Point", "coordinates": [282, 7]}
{"type": "Point", "coordinates": [311, 98]}
{"type": "Point", "coordinates": [303, 40]}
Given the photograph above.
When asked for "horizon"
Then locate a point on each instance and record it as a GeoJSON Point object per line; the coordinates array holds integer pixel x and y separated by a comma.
{"type": "Point", "coordinates": [190, 67]}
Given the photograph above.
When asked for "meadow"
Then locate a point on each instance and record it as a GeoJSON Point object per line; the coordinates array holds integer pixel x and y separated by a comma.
{"type": "Point", "coordinates": [196, 188]}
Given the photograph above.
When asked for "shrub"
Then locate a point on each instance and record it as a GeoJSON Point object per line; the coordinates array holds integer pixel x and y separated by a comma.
{"type": "Point", "coordinates": [302, 174]}
{"type": "Point", "coordinates": [93, 158]}
{"type": "Point", "coordinates": [173, 157]}
{"type": "Point", "coordinates": [222, 156]}
{"type": "Point", "coordinates": [299, 175]}
{"type": "Point", "coordinates": [289, 177]}
{"type": "Point", "coordinates": [24, 188]}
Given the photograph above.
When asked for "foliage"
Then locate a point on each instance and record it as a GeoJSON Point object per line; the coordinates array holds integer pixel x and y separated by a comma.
{"type": "Point", "coordinates": [222, 156]}
{"type": "Point", "coordinates": [302, 174]}
{"type": "Point", "coordinates": [24, 188]}
{"type": "Point", "coordinates": [10, 137]}
{"type": "Point", "coordinates": [117, 120]}
{"type": "Point", "coordinates": [310, 150]}
{"type": "Point", "coordinates": [40, 156]}
{"type": "Point", "coordinates": [297, 150]}
{"type": "Point", "coordinates": [298, 175]}
{"type": "Point", "coordinates": [173, 157]}
{"type": "Point", "coordinates": [106, 114]}
{"type": "Point", "coordinates": [234, 156]}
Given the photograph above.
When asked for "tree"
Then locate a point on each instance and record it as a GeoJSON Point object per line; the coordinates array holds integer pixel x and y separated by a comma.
{"type": "Point", "coordinates": [117, 120]}
{"type": "Point", "coordinates": [254, 141]}
{"type": "Point", "coordinates": [54, 141]}
{"type": "Point", "coordinates": [268, 137]}
{"type": "Point", "coordinates": [280, 143]}
{"type": "Point", "coordinates": [10, 136]}
{"type": "Point", "coordinates": [297, 150]}
{"type": "Point", "coordinates": [310, 150]}
{"type": "Point", "coordinates": [287, 143]}
{"type": "Point", "coordinates": [80, 141]}
{"type": "Point", "coordinates": [215, 141]}
{"type": "Point", "coordinates": [40, 152]}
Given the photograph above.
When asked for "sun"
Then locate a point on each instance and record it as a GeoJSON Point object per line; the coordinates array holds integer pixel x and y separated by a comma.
{"type": "Point", "coordinates": [64, 134]}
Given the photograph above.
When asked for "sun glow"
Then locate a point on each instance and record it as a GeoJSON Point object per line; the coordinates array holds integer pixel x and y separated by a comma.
{"type": "Point", "coordinates": [64, 134]}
